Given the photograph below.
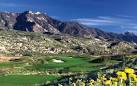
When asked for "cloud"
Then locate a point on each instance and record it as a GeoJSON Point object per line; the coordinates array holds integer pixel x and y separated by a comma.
{"type": "Point", "coordinates": [93, 22]}
{"type": "Point", "coordinates": [125, 23]}
{"type": "Point", "coordinates": [125, 16]}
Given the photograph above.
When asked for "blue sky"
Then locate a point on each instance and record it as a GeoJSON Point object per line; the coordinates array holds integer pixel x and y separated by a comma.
{"type": "Point", "coordinates": [109, 15]}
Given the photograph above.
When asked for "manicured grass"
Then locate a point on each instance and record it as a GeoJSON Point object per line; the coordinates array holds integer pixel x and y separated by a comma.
{"type": "Point", "coordinates": [68, 62]}
{"type": "Point", "coordinates": [88, 67]}
{"type": "Point", "coordinates": [24, 80]}
{"type": "Point", "coordinates": [72, 64]}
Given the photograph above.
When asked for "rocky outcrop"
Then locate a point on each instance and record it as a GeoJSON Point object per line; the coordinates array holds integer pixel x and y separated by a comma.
{"type": "Point", "coordinates": [26, 43]}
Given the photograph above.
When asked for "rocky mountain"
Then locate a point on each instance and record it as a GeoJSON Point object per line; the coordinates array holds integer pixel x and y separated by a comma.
{"type": "Point", "coordinates": [42, 23]}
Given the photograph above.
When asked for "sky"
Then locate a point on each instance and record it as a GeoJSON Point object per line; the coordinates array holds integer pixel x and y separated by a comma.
{"type": "Point", "coordinates": [109, 15]}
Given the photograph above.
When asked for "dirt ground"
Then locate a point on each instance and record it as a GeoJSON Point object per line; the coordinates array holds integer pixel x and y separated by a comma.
{"type": "Point", "coordinates": [8, 58]}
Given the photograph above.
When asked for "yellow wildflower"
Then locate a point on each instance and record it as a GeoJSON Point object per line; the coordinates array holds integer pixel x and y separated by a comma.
{"type": "Point", "coordinates": [129, 70]}
{"type": "Point", "coordinates": [114, 79]}
{"type": "Point", "coordinates": [122, 75]}
{"type": "Point", "coordinates": [135, 79]}
{"type": "Point", "coordinates": [91, 83]}
{"type": "Point", "coordinates": [132, 75]}
{"type": "Point", "coordinates": [98, 80]}
{"type": "Point", "coordinates": [108, 82]}
{"type": "Point", "coordinates": [73, 84]}
{"type": "Point", "coordinates": [83, 84]}
{"type": "Point", "coordinates": [103, 78]}
{"type": "Point", "coordinates": [115, 84]}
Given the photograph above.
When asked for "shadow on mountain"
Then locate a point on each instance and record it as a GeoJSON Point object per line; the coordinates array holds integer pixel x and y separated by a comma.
{"type": "Point", "coordinates": [23, 24]}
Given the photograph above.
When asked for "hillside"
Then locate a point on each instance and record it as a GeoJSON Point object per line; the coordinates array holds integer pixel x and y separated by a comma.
{"type": "Point", "coordinates": [27, 43]}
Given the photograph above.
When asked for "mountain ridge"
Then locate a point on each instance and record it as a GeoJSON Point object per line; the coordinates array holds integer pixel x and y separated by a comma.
{"type": "Point", "coordinates": [42, 23]}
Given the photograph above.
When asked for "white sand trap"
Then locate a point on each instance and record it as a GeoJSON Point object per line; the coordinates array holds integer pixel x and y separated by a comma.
{"type": "Point", "coordinates": [57, 61]}
{"type": "Point", "coordinates": [70, 57]}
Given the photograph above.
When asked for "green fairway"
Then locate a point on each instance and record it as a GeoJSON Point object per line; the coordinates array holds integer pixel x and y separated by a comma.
{"type": "Point", "coordinates": [30, 72]}
{"type": "Point", "coordinates": [70, 64]}
{"type": "Point", "coordinates": [67, 62]}
{"type": "Point", "coordinates": [24, 80]}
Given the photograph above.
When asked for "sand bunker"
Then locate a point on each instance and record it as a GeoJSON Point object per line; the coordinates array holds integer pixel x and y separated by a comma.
{"type": "Point", "coordinates": [57, 61]}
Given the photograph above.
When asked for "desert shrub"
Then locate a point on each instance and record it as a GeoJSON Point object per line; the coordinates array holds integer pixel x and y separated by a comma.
{"type": "Point", "coordinates": [27, 53]}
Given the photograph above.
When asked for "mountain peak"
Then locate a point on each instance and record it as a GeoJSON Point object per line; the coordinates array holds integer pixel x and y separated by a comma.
{"type": "Point", "coordinates": [40, 22]}
{"type": "Point", "coordinates": [37, 13]}
{"type": "Point", "coordinates": [31, 12]}
{"type": "Point", "coordinates": [28, 12]}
